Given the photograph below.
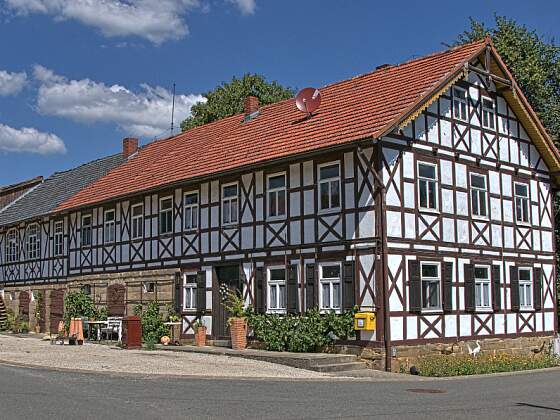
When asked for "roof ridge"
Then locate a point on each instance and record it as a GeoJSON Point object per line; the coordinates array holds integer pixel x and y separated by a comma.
{"type": "Point", "coordinates": [82, 165]}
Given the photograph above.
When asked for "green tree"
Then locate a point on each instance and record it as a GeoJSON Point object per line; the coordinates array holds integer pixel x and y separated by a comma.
{"type": "Point", "coordinates": [228, 99]}
{"type": "Point", "coordinates": [535, 65]}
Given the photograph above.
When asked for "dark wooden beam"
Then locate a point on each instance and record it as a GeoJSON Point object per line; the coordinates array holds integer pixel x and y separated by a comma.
{"type": "Point", "coordinates": [490, 75]}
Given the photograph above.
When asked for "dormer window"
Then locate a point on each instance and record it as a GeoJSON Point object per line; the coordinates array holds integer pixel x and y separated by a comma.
{"type": "Point", "coordinates": [460, 104]}
{"type": "Point", "coordinates": [488, 113]}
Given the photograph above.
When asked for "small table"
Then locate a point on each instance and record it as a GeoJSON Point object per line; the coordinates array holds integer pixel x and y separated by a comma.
{"type": "Point", "coordinates": [99, 323]}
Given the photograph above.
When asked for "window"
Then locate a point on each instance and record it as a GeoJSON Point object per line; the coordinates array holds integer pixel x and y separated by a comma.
{"type": "Point", "coordinates": [32, 245]}
{"type": "Point", "coordinates": [189, 291]}
{"type": "Point", "coordinates": [478, 195]}
{"type": "Point", "coordinates": [86, 289]}
{"type": "Point", "coordinates": [137, 221]}
{"type": "Point", "coordinates": [12, 248]}
{"type": "Point", "coordinates": [329, 187]}
{"type": "Point", "coordinates": [431, 286]}
{"type": "Point", "coordinates": [459, 104]}
{"type": "Point", "coordinates": [330, 286]}
{"type": "Point", "coordinates": [229, 204]}
{"type": "Point", "coordinates": [525, 288]}
{"type": "Point", "coordinates": [86, 231]}
{"type": "Point", "coordinates": [488, 113]}
{"type": "Point", "coordinates": [482, 287]}
{"type": "Point", "coordinates": [191, 210]}
{"type": "Point", "coordinates": [109, 226]}
{"type": "Point", "coordinates": [165, 215]}
{"type": "Point", "coordinates": [521, 202]}
{"type": "Point", "coordinates": [427, 185]}
{"type": "Point", "coordinates": [58, 239]}
{"type": "Point", "coordinates": [277, 195]}
{"type": "Point", "coordinates": [276, 289]}
{"type": "Point", "coordinates": [148, 287]}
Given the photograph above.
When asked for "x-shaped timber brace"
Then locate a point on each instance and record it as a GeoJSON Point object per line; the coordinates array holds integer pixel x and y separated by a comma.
{"type": "Point", "coordinates": [382, 229]}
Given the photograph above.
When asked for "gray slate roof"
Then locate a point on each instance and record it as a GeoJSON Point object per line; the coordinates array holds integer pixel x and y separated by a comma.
{"type": "Point", "coordinates": [56, 189]}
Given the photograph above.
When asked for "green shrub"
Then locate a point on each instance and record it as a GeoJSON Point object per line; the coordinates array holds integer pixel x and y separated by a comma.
{"type": "Point", "coordinates": [152, 324]}
{"type": "Point", "coordinates": [78, 305]}
{"type": "Point", "coordinates": [9, 324]}
{"type": "Point", "coordinates": [309, 332]}
{"type": "Point", "coordinates": [466, 365]}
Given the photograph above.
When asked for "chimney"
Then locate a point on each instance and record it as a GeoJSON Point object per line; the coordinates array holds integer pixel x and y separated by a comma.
{"type": "Point", "coordinates": [251, 105]}
{"type": "Point", "coordinates": [129, 146]}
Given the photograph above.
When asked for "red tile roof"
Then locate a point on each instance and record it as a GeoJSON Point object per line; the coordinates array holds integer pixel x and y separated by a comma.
{"type": "Point", "coordinates": [362, 107]}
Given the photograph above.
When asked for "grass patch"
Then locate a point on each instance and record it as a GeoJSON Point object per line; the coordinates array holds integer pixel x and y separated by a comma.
{"type": "Point", "coordinates": [459, 365]}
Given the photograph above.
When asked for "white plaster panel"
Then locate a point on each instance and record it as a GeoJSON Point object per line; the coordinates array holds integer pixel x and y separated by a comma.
{"type": "Point", "coordinates": [446, 137]}
{"type": "Point", "coordinates": [499, 324]}
{"type": "Point", "coordinates": [462, 231]}
{"type": "Point", "coordinates": [506, 185]}
{"type": "Point", "coordinates": [295, 180]}
{"type": "Point", "coordinates": [308, 175]}
{"type": "Point", "coordinates": [308, 202]}
{"type": "Point", "coordinates": [397, 328]}
{"type": "Point", "coordinates": [495, 208]}
{"type": "Point", "coordinates": [501, 105]}
{"type": "Point", "coordinates": [450, 326]}
{"type": "Point", "coordinates": [508, 237]}
{"type": "Point", "coordinates": [549, 321]}
{"type": "Point", "coordinates": [348, 165]}
{"type": "Point", "coordinates": [295, 234]}
{"type": "Point", "coordinates": [214, 191]}
{"type": "Point", "coordinates": [465, 325]}
{"type": "Point", "coordinates": [446, 172]}
{"type": "Point", "coordinates": [507, 207]}
{"type": "Point", "coordinates": [445, 106]}
{"type": "Point", "coordinates": [410, 226]}
{"type": "Point", "coordinates": [546, 241]}
{"type": "Point", "coordinates": [411, 327]}
{"type": "Point", "coordinates": [448, 229]}
{"type": "Point", "coordinates": [394, 228]}
{"type": "Point", "coordinates": [504, 149]}
{"type": "Point", "coordinates": [294, 204]}
{"type": "Point", "coordinates": [475, 142]}
{"type": "Point", "coordinates": [513, 151]}
{"type": "Point", "coordinates": [523, 154]}
{"type": "Point", "coordinates": [409, 201]}
{"type": "Point", "coordinates": [432, 130]}
{"type": "Point", "coordinates": [460, 175]}
{"type": "Point", "coordinates": [309, 231]}
{"type": "Point", "coordinates": [447, 201]}
{"type": "Point", "coordinates": [366, 224]}
{"type": "Point", "coordinates": [462, 203]}
{"type": "Point", "coordinates": [350, 227]}
{"type": "Point", "coordinates": [408, 165]}
{"type": "Point", "coordinates": [497, 235]}
{"type": "Point", "coordinates": [420, 127]}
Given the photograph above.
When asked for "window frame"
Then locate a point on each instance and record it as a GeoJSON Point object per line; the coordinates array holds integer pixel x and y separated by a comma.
{"type": "Point", "coordinates": [423, 279]}
{"type": "Point", "coordinates": [485, 110]}
{"type": "Point", "coordinates": [86, 228]}
{"type": "Point", "coordinates": [146, 289]}
{"type": "Point", "coordinates": [462, 101]}
{"type": "Point", "coordinates": [479, 281]}
{"type": "Point", "coordinates": [331, 282]}
{"type": "Point", "coordinates": [194, 211]}
{"type": "Point", "coordinates": [526, 284]}
{"type": "Point", "coordinates": [435, 181]}
{"type": "Point", "coordinates": [229, 201]}
{"type": "Point", "coordinates": [109, 227]}
{"type": "Point", "coordinates": [163, 213]}
{"type": "Point", "coordinates": [526, 199]}
{"type": "Point", "coordinates": [277, 284]}
{"type": "Point", "coordinates": [276, 191]}
{"type": "Point", "coordinates": [58, 250]}
{"type": "Point", "coordinates": [329, 181]}
{"type": "Point", "coordinates": [33, 242]}
{"type": "Point", "coordinates": [192, 286]}
{"type": "Point", "coordinates": [133, 221]}
{"type": "Point", "coordinates": [12, 252]}
{"type": "Point", "coordinates": [479, 192]}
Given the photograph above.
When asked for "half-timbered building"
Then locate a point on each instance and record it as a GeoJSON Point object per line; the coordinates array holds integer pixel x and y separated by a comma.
{"type": "Point", "coordinates": [421, 191]}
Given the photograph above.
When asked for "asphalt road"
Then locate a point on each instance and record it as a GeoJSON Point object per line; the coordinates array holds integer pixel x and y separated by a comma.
{"type": "Point", "coordinates": [41, 394]}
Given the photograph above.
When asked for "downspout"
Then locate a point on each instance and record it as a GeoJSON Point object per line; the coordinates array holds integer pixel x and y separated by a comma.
{"type": "Point", "coordinates": [382, 228]}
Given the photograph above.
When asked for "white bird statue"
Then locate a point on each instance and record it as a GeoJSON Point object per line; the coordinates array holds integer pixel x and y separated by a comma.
{"type": "Point", "coordinates": [474, 352]}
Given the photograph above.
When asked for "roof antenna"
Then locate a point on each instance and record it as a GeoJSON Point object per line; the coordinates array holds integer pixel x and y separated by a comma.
{"type": "Point", "coordinates": [173, 109]}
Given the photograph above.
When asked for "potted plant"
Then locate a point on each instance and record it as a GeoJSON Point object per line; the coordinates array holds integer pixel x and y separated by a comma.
{"type": "Point", "coordinates": [24, 327]}
{"type": "Point", "coordinates": [235, 305]}
{"type": "Point", "coordinates": [200, 333]}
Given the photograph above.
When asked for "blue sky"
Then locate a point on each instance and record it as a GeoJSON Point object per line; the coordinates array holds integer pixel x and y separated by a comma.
{"type": "Point", "coordinates": [76, 78]}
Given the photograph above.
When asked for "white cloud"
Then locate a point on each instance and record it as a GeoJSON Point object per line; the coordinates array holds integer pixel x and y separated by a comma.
{"type": "Point", "coordinates": [154, 20]}
{"type": "Point", "coordinates": [145, 113]}
{"type": "Point", "coordinates": [29, 140]}
{"type": "Point", "coordinates": [247, 7]}
{"type": "Point", "coordinates": [11, 83]}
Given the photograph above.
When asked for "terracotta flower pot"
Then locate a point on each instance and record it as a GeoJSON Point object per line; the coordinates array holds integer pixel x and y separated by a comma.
{"type": "Point", "coordinates": [238, 330]}
{"type": "Point", "coordinates": [37, 328]}
{"type": "Point", "coordinates": [200, 336]}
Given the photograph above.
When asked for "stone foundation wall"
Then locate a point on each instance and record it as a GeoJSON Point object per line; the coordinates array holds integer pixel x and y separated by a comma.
{"type": "Point", "coordinates": [135, 293]}
{"type": "Point", "coordinates": [406, 356]}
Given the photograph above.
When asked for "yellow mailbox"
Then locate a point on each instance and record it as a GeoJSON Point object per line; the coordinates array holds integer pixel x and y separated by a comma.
{"type": "Point", "coordinates": [364, 321]}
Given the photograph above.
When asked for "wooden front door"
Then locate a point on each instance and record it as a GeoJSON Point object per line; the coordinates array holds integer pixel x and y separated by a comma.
{"type": "Point", "coordinates": [229, 275]}
{"type": "Point", "coordinates": [115, 300]}
{"type": "Point", "coordinates": [24, 300]}
{"type": "Point", "coordinates": [57, 309]}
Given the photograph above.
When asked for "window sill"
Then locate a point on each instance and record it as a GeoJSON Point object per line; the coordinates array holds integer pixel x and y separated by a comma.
{"type": "Point", "coordinates": [524, 224]}
{"type": "Point", "coordinates": [481, 218]}
{"type": "Point", "coordinates": [327, 212]}
{"type": "Point", "coordinates": [276, 311]}
{"type": "Point", "coordinates": [432, 311]}
{"type": "Point", "coordinates": [484, 310]}
{"type": "Point", "coordinates": [427, 210]}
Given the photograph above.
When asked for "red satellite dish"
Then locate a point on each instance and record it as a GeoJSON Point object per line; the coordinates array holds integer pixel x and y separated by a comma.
{"type": "Point", "coordinates": [308, 100]}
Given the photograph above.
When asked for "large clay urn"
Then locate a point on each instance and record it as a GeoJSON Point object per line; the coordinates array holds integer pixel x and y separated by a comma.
{"type": "Point", "coordinates": [238, 330]}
